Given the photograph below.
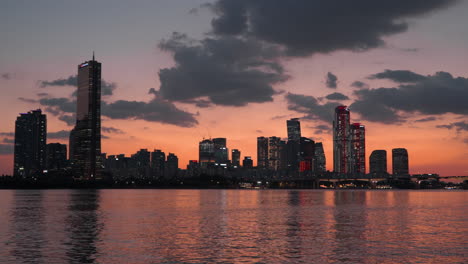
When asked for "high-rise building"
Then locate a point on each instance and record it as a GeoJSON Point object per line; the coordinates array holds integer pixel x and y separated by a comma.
{"type": "Point", "coordinates": [274, 153]}
{"type": "Point", "coordinates": [172, 165]}
{"type": "Point", "coordinates": [378, 162]}
{"type": "Point", "coordinates": [56, 156]}
{"type": "Point", "coordinates": [247, 162]}
{"type": "Point", "coordinates": [341, 139]}
{"type": "Point", "coordinates": [307, 152]}
{"type": "Point", "coordinates": [142, 158]}
{"type": "Point", "coordinates": [235, 156]}
{"type": "Point", "coordinates": [141, 163]}
{"type": "Point", "coordinates": [262, 152]}
{"type": "Point", "coordinates": [86, 148]}
{"type": "Point", "coordinates": [400, 162]}
{"type": "Point", "coordinates": [220, 151]}
{"type": "Point", "coordinates": [293, 145]}
{"type": "Point", "coordinates": [319, 158]}
{"type": "Point", "coordinates": [294, 129]}
{"type": "Point", "coordinates": [206, 153]}
{"type": "Point", "coordinates": [30, 144]}
{"type": "Point", "coordinates": [357, 155]}
{"type": "Point", "coordinates": [158, 159]}
{"type": "Point", "coordinates": [283, 155]}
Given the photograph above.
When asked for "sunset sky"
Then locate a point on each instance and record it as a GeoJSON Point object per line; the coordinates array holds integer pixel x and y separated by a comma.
{"type": "Point", "coordinates": [178, 71]}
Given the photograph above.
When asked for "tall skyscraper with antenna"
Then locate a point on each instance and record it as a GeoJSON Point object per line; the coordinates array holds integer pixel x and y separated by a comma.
{"type": "Point", "coordinates": [85, 139]}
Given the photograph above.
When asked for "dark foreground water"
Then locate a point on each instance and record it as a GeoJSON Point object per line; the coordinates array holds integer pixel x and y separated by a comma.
{"type": "Point", "coordinates": [232, 226]}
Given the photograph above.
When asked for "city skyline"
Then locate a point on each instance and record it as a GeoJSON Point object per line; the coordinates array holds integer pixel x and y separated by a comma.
{"type": "Point", "coordinates": [294, 155]}
{"type": "Point", "coordinates": [41, 76]}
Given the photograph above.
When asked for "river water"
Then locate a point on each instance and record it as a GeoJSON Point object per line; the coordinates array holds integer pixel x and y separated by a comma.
{"type": "Point", "coordinates": [233, 226]}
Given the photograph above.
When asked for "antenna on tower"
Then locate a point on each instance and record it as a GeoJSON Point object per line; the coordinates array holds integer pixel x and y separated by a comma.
{"type": "Point", "coordinates": [93, 55]}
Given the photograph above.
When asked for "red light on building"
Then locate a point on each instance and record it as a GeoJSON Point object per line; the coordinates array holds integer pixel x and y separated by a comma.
{"type": "Point", "coordinates": [305, 165]}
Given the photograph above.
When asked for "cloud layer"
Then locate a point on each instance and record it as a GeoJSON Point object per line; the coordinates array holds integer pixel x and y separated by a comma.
{"type": "Point", "coordinates": [436, 94]}
{"type": "Point", "coordinates": [331, 81]}
{"type": "Point", "coordinates": [107, 88]}
{"type": "Point", "coordinates": [309, 106]}
{"type": "Point", "coordinates": [155, 110]}
{"type": "Point", "coordinates": [337, 97]}
{"type": "Point", "coordinates": [231, 71]}
{"type": "Point", "coordinates": [305, 27]}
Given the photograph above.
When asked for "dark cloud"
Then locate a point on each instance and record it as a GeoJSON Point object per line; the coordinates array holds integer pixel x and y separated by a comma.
{"type": "Point", "coordinates": [156, 110]}
{"type": "Point", "coordinates": [62, 134]}
{"type": "Point", "coordinates": [70, 120]}
{"type": "Point", "coordinates": [436, 94]}
{"type": "Point", "coordinates": [107, 88]}
{"type": "Point", "coordinates": [27, 100]}
{"type": "Point", "coordinates": [112, 130]}
{"type": "Point", "coordinates": [321, 129]}
{"type": "Point", "coordinates": [400, 76]}
{"type": "Point", "coordinates": [201, 103]}
{"type": "Point", "coordinates": [42, 94]}
{"type": "Point", "coordinates": [331, 81]}
{"type": "Point", "coordinates": [427, 119]}
{"type": "Point", "coordinates": [259, 131]}
{"type": "Point", "coordinates": [70, 81]}
{"type": "Point", "coordinates": [8, 141]}
{"type": "Point", "coordinates": [376, 112]}
{"type": "Point", "coordinates": [309, 105]}
{"type": "Point", "coordinates": [230, 71]}
{"type": "Point", "coordinates": [58, 105]}
{"type": "Point", "coordinates": [6, 149]}
{"type": "Point", "coordinates": [337, 97]}
{"type": "Point", "coordinates": [279, 117]}
{"type": "Point", "coordinates": [305, 27]}
{"type": "Point", "coordinates": [5, 76]}
{"type": "Point", "coordinates": [459, 126]}
{"type": "Point", "coordinates": [359, 84]}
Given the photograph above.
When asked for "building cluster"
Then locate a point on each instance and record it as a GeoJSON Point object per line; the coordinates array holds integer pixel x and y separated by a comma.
{"type": "Point", "coordinates": [143, 165]}
{"type": "Point", "coordinates": [297, 153]}
{"type": "Point", "coordinates": [349, 144]}
{"type": "Point", "coordinates": [349, 150]}
{"type": "Point", "coordinates": [275, 156]}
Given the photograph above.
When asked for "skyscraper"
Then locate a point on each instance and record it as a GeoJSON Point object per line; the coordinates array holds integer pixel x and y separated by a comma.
{"type": "Point", "coordinates": [293, 145]}
{"type": "Point", "coordinates": [341, 139]}
{"type": "Point", "coordinates": [206, 153]}
{"type": "Point", "coordinates": [294, 129]}
{"type": "Point", "coordinates": [235, 156]}
{"type": "Point", "coordinates": [357, 150]}
{"type": "Point", "coordinates": [172, 165]}
{"type": "Point", "coordinates": [319, 158]}
{"type": "Point", "coordinates": [378, 162]}
{"type": "Point", "coordinates": [56, 156]}
{"type": "Point", "coordinates": [247, 162]}
{"type": "Point", "coordinates": [400, 162]}
{"type": "Point", "coordinates": [86, 149]}
{"type": "Point", "coordinates": [274, 153]}
{"type": "Point", "coordinates": [220, 150]}
{"type": "Point", "coordinates": [262, 152]}
{"type": "Point", "coordinates": [307, 149]}
{"type": "Point", "coordinates": [283, 155]}
{"type": "Point", "coordinates": [30, 144]}
{"type": "Point", "coordinates": [142, 158]}
{"type": "Point", "coordinates": [158, 159]}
